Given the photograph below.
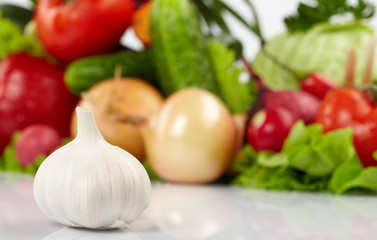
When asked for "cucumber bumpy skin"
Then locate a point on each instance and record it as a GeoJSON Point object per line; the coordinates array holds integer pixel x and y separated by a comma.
{"type": "Point", "coordinates": [179, 47]}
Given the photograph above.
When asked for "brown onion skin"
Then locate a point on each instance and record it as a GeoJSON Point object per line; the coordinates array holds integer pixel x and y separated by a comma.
{"type": "Point", "coordinates": [123, 97]}
{"type": "Point", "coordinates": [193, 138]}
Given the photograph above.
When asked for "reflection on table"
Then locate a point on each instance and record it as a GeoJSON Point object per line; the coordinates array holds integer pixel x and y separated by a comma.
{"type": "Point", "coordinates": [203, 212]}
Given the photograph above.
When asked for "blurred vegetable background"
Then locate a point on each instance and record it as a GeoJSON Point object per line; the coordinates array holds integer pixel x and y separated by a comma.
{"type": "Point", "coordinates": [196, 99]}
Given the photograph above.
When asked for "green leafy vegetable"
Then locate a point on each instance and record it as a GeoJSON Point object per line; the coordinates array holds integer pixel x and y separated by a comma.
{"type": "Point", "coordinates": [366, 179]}
{"type": "Point", "coordinates": [351, 175]}
{"type": "Point", "coordinates": [12, 40]}
{"type": "Point", "coordinates": [317, 154]}
{"type": "Point", "coordinates": [237, 95]}
{"type": "Point", "coordinates": [17, 14]}
{"type": "Point", "coordinates": [309, 161]}
{"type": "Point", "coordinates": [270, 160]}
{"type": "Point", "coordinates": [346, 172]}
{"type": "Point", "coordinates": [269, 178]}
{"type": "Point", "coordinates": [323, 49]}
{"type": "Point", "coordinates": [317, 11]}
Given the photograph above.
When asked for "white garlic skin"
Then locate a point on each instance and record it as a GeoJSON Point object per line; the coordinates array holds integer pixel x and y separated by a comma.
{"type": "Point", "coordinates": [91, 183]}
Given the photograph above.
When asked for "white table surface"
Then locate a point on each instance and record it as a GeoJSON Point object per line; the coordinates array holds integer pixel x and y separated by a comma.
{"type": "Point", "coordinates": [203, 212]}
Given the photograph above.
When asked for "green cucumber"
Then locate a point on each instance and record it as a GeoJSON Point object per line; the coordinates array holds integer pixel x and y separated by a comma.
{"type": "Point", "coordinates": [85, 72]}
{"type": "Point", "coordinates": [179, 47]}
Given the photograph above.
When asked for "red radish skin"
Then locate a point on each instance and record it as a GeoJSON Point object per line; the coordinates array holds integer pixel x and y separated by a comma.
{"type": "Point", "coordinates": [32, 91]}
{"type": "Point", "coordinates": [35, 140]}
{"type": "Point", "coordinates": [268, 129]}
{"type": "Point", "coordinates": [301, 104]}
{"type": "Point", "coordinates": [318, 85]}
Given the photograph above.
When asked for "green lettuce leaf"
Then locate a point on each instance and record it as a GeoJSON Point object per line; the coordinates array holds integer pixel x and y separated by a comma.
{"type": "Point", "coordinates": [367, 179]}
{"type": "Point", "coordinates": [345, 173]}
{"type": "Point", "coordinates": [301, 135]}
{"type": "Point", "coordinates": [271, 160]}
{"type": "Point", "coordinates": [12, 40]}
{"type": "Point", "coordinates": [309, 160]}
{"type": "Point", "coordinates": [245, 159]}
{"type": "Point", "coordinates": [312, 162]}
{"type": "Point", "coordinates": [269, 178]}
{"type": "Point", "coordinates": [314, 153]}
{"type": "Point", "coordinates": [323, 48]}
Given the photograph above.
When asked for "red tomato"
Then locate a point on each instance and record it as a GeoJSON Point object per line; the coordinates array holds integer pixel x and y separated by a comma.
{"type": "Point", "coordinates": [78, 28]}
{"type": "Point", "coordinates": [32, 91]}
{"type": "Point", "coordinates": [343, 107]}
{"type": "Point", "coordinates": [268, 129]}
{"type": "Point", "coordinates": [365, 141]}
{"type": "Point", "coordinates": [351, 107]}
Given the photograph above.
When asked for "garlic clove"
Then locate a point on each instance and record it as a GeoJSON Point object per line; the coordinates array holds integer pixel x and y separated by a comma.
{"type": "Point", "coordinates": [91, 183]}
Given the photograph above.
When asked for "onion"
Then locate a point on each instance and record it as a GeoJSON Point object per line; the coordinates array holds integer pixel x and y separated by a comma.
{"type": "Point", "coordinates": [192, 139]}
{"type": "Point", "coordinates": [117, 97]}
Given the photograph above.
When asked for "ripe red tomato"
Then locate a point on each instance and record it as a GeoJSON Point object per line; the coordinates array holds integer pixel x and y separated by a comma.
{"type": "Point", "coordinates": [351, 107]}
{"type": "Point", "coordinates": [342, 108]}
{"type": "Point", "coordinates": [32, 91]}
{"type": "Point", "coordinates": [78, 28]}
{"type": "Point", "coordinates": [268, 129]}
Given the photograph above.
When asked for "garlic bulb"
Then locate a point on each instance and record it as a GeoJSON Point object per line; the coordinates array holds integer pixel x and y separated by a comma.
{"type": "Point", "coordinates": [91, 183]}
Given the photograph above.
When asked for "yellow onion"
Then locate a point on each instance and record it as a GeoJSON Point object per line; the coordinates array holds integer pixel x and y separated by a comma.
{"type": "Point", "coordinates": [113, 98]}
{"type": "Point", "coordinates": [192, 139]}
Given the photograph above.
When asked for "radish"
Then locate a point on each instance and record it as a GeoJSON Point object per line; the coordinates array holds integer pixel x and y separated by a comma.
{"type": "Point", "coordinates": [268, 129]}
{"type": "Point", "coordinates": [36, 140]}
{"type": "Point", "coordinates": [32, 91]}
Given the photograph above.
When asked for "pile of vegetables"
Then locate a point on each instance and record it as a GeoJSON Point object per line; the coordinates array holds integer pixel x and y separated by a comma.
{"type": "Point", "coordinates": [189, 105]}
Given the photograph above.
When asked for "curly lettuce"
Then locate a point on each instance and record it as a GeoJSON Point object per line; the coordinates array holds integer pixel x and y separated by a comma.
{"type": "Point", "coordinates": [309, 161]}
